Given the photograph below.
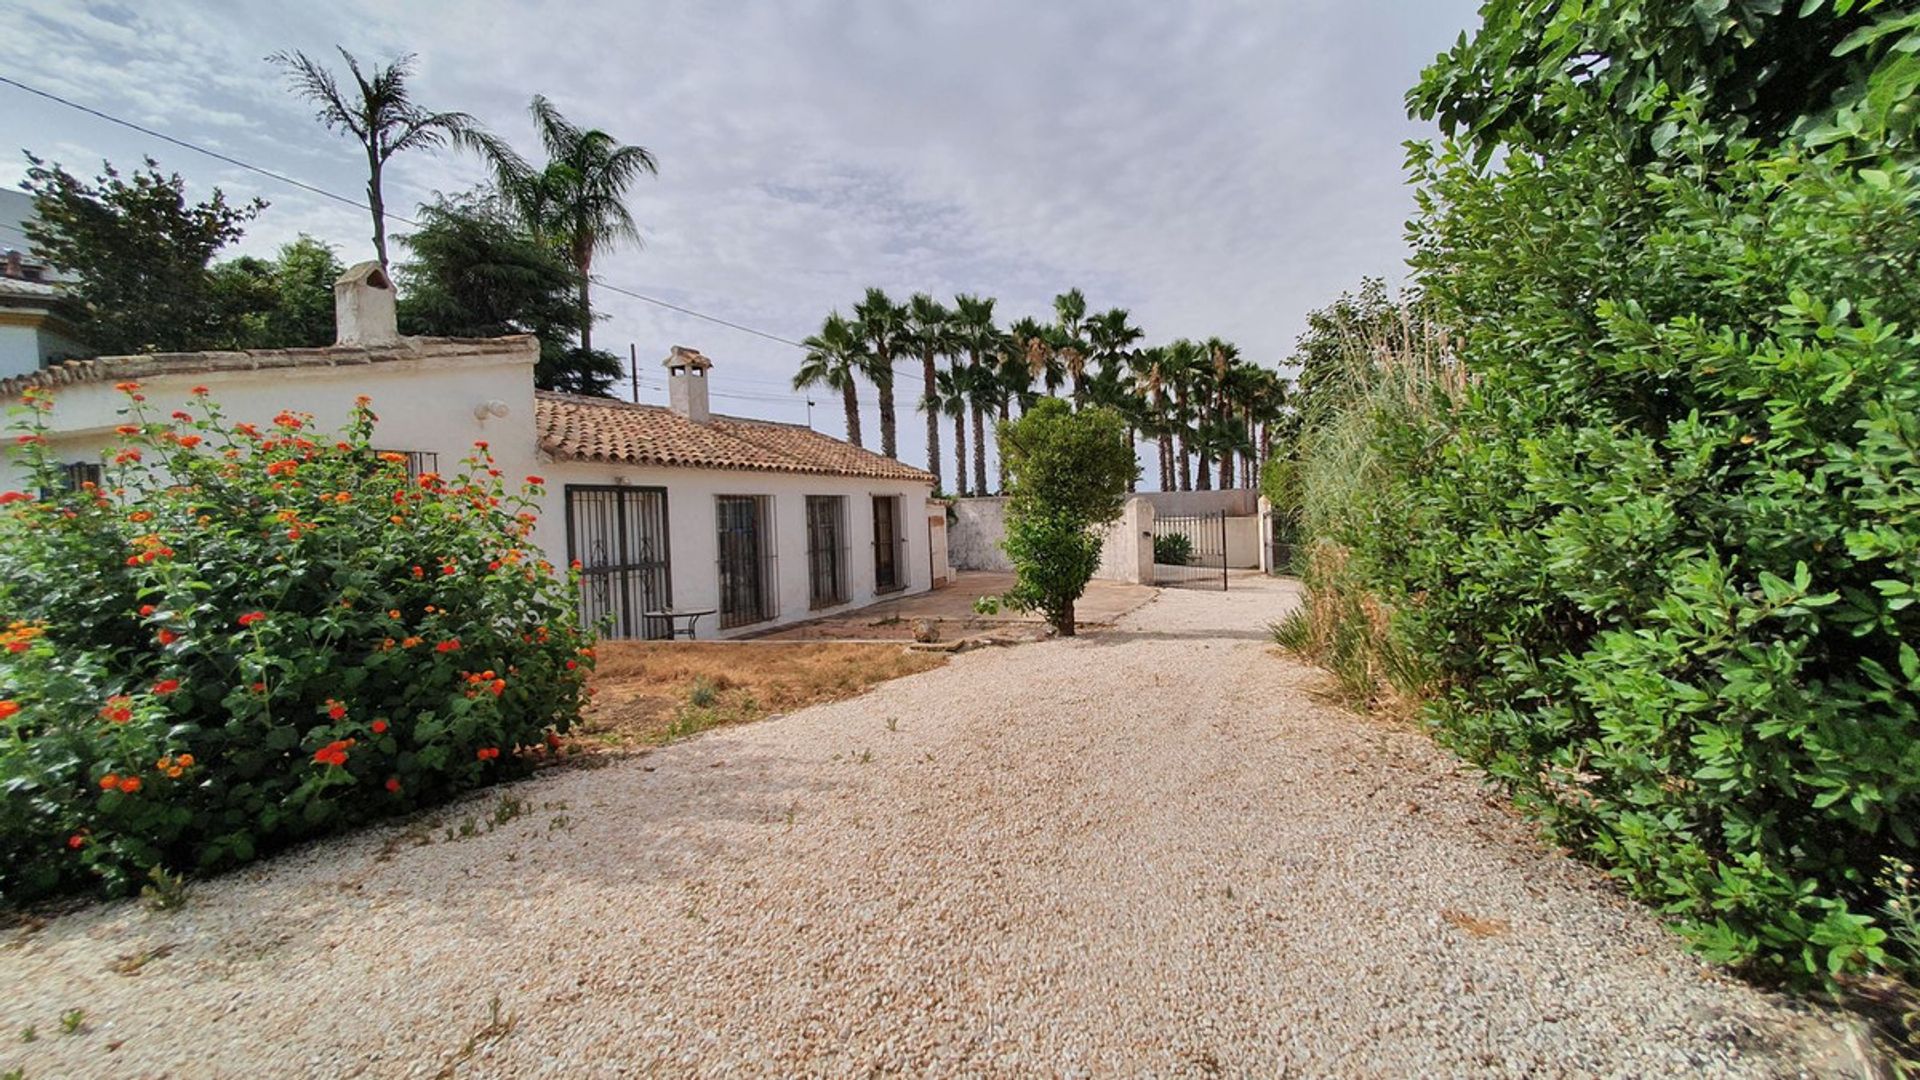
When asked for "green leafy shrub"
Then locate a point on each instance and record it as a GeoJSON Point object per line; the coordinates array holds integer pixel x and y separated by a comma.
{"type": "Point", "coordinates": [1656, 557]}
{"type": "Point", "coordinates": [1173, 549]}
{"type": "Point", "coordinates": [246, 637]}
{"type": "Point", "coordinates": [1069, 478]}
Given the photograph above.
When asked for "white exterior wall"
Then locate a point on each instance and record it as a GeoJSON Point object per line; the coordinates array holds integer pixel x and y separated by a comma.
{"type": "Point", "coordinates": [423, 405]}
{"type": "Point", "coordinates": [693, 544]}
{"type": "Point", "coordinates": [429, 404]}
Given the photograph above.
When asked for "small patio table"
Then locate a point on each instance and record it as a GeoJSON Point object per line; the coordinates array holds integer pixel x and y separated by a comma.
{"type": "Point", "coordinates": [673, 617]}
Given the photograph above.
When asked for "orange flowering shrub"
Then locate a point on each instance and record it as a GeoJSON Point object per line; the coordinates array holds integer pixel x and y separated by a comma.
{"type": "Point", "coordinates": [233, 643]}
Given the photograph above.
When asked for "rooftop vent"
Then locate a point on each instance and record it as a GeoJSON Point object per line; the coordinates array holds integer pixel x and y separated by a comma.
{"type": "Point", "coordinates": [687, 383]}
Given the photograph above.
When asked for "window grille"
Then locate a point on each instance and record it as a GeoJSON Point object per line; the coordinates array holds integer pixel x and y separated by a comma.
{"type": "Point", "coordinates": [827, 550]}
{"type": "Point", "coordinates": [749, 565]}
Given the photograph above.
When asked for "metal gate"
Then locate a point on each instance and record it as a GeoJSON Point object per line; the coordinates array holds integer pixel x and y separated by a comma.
{"type": "Point", "coordinates": [1191, 551]}
{"type": "Point", "coordinates": [618, 535]}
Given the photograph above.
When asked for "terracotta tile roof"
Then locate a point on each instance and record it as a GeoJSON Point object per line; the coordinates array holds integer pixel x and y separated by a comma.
{"type": "Point", "coordinates": [598, 429]}
{"type": "Point", "coordinates": [152, 365]}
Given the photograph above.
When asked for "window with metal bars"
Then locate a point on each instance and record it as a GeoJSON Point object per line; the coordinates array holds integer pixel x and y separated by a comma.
{"type": "Point", "coordinates": [74, 474]}
{"type": "Point", "coordinates": [749, 565]}
{"type": "Point", "coordinates": [419, 462]}
{"type": "Point", "coordinates": [889, 545]}
{"type": "Point", "coordinates": [827, 550]}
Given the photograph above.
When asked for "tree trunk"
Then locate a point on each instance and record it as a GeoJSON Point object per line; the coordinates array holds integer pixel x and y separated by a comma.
{"type": "Point", "coordinates": [583, 262]}
{"type": "Point", "coordinates": [1186, 464]}
{"type": "Point", "coordinates": [1079, 390]}
{"type": "Point", "coordinates": [979, 450]}
{"type": "Point", "coordinates": [1226, 468]}
{"type": "Point", "coordinates": [1205, 480]}
{"type": "Point", "coordinates": [1065, 623]}
{"type": "Point", "coordinates": [850, 399]}
{"type": "Point", "coordinates": [932, 406]}
{"type": "Point", "coordinates": [1002, 460]}
{"type": "Point", "coordinates": [1166, 461]}
{"type": "Point", "coordinates": [378, 204]}
{"type": "Point", "coordinates": [959, 454]}
{"type": "Point", "coordinates": [1133, 444]}
{"type": "Point", "coordinates": [888, 447]}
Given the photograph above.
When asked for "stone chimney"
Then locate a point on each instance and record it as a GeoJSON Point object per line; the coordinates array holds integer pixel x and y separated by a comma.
{"type": "Point", "coordinates": [687, 383]}
{"type": "Point", "coordinates": [363, 310]}
{"type": "Point", "coordinates": [16, 266]}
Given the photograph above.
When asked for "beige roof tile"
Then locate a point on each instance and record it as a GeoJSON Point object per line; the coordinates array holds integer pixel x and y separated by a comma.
{"type": "Point", "coordinates": [599, 429]}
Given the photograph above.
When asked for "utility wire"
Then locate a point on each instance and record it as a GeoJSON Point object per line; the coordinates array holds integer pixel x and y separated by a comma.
{"type": "Point", "coordinates": [355, 203]}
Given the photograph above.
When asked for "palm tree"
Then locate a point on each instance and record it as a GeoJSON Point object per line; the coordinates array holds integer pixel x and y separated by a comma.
{"type": "Point", "coordinates": [1152, 375]}
{"type": "Point", "coordinates": [835, 358]}
{"type": "Point", "coordinates": [1113, 387]}
{"type": "Point", "coordinates": [380, 114]}
{"type": "Point", "coordinates": [1226, 384]}
{"type": "Point", "coordinates": [951, 391]}
{"type": "Point", "coordinates": [882, 325]}
{"type": "Point", "coordinates": [1183, 361]}
{"type": "Point", "coordinates": [930, 333]}
{"type": "Point", "coordinates": [1033, 345]}
{"type": "Point", "coordinates": [1012, 381]}
{"type": "Point", "coordinates": [1070, 314]}
{"type": "Point", "coordinates": [977, 335]}
{"type": "Point", "coordinates": [1109, 335]}
{"type": "Point", "coordinates": [577, 201]}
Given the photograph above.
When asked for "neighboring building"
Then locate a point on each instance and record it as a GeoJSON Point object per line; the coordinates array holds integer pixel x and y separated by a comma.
{"type": "Point", "coordinates": [31, 334]}
{"type": "Point", "coordinates": [664, 506]}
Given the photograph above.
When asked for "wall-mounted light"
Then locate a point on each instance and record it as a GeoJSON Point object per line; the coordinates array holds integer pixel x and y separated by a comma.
{"type": "Point", "coordinates": [496, 407]}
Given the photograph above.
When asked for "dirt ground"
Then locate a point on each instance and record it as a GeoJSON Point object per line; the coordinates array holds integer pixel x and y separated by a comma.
{"type": "Point", "coordinates": [650, 692]}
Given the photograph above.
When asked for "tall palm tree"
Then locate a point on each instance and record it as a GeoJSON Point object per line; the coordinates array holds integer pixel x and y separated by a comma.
{"type": "Point", "coordinates": [979, 338]}
{"type": "Point", "coordinates": [930, 334]}
{"type": "Point", "coordinates": [1070, 316]}
{"type": "Point", "coordinates": [835, 359]}
{"type": "Point", "coordinates": [1112, 386]}
{"type": "Point", "coordinates": [1013, 381]}
{"type": "Point", "coordinates": [577, 201]}
{"type": "Point", "coordinates": [380, 113]}
{"type": "Point", "coordinates": [1227, 382]}
{"type": "Point", "coordinates": [882, 324]}
{"type": "Point", "coordinates": [1152, 375]}
{"type": "Point", "coordinates": [1184, 369]}
{"type": "Point", "coordinates": [1110, 335]}
{"type": "Point", "coordinates": [950, 390]}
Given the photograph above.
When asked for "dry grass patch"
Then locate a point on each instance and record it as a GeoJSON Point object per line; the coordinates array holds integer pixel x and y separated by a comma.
{"type": "Point", "coordinates": [649, 692]}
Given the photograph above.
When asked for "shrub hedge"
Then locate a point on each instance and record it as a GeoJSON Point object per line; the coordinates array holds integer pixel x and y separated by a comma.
{"type": "Point", "coordinates": [244, 637]}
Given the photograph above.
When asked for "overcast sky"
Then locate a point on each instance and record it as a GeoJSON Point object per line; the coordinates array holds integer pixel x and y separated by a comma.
{"type": "Point", "coordinates": [1217, 168]}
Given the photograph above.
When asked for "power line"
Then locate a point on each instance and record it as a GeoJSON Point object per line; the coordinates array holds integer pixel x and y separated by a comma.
{"type": "Point", "coordinates": [357, 204]}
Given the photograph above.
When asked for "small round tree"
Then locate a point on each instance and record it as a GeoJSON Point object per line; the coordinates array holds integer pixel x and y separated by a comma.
{"type": "Point", "coordinates": [1069, 474]}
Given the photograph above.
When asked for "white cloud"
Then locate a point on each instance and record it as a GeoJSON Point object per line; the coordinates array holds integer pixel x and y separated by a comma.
{"type": "Point", "coordinates": [1219, 168]}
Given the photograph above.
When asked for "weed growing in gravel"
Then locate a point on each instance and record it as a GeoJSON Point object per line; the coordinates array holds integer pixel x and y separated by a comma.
{"type": "Point", "coordinates": [893, 723]}
{"type": "Point", "coordinates": [499, 1026]}
{"type": "Point", "coordinates": [72, 1021]}
{"type": "Point", "coordinates": [164, 891]}
{"type": "Point", "coordinates": [131, 963]}
{"type": "Point", "coordinates": [29, 1033]}
{"type": "Point", "coordinates": [14, 1074]}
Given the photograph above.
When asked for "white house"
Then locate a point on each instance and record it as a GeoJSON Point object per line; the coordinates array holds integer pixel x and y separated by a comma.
{"type": "Point", "coordinates": [32, 334]}
{"type": "Point", "coordinates": [667, 508]}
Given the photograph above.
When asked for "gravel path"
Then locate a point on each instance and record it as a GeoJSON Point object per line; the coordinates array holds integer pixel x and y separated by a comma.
{"type": "Point", "coordinates": [1148, 852]}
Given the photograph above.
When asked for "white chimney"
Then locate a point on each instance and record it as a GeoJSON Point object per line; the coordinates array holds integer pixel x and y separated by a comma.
{"type": "Point", "coordinates": [363, 309]}
{"type": "Point", "coordinates": [687, 383]}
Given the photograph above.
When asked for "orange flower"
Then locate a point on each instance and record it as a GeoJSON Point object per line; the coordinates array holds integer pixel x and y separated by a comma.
{"type": "Point", "coordinates": [118, 709]}
{"type": "Point", "coordinates": [200, 391]}
{"type": "Point", "coordinates": [487, 753]}
{"type": "Point", "coordinates": [75, 841]}
{"type": "Point", "coordinates": [126, 387]}
{"type": "Point", "coordinates": [393, 614]}
{"type": "Point", "coordinates": [335, 710]}
{"type": "Point", "coordinates": [499, 687]}
{"type": "Point", "coordinates": [379, 727]}
{"type": "Point", "coordinates": [408, 643]}
{"type": "Point", "coordinates": [140, 516]}
{"type": "Point", "coordinates": [185, 761]}
{"type": "Point", "coordinates": [166, 637]}
{"type": "Point", "coordinates": [166, 686]}
{"type": "Point", "coordinates": [536, 480]}
{"type": "Point", "coordinates": [125, 456]}
{"type": "Point", "coordinates": [189, 441]}
{"type": "Point", "coordinates": [129, 784]}
{"type": "Point", "coordinates": [14, 497]}
{"type": "Point", "coordinates": [8, 708]}
{"type": "Point", "coordinates": [278, 468]}
{"type": "Point", "coordinates": [127, 429]}
{"type": "Point", "coordinates": [393, 784]}
{"type": "Point", "coordinates": [252, 617]}
{"type": "Point", "coordinates": [109, 782]}
{"type": "Point", "coordinates": [146, 610]}
{"type": "Point", "coordinates": [449, 645]}
{"type": "Point", "coordinates": [333, 754]}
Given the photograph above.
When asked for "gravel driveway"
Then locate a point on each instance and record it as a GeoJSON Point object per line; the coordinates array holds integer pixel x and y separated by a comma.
{"type": "Point", "coordinates": [1147, 852]}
